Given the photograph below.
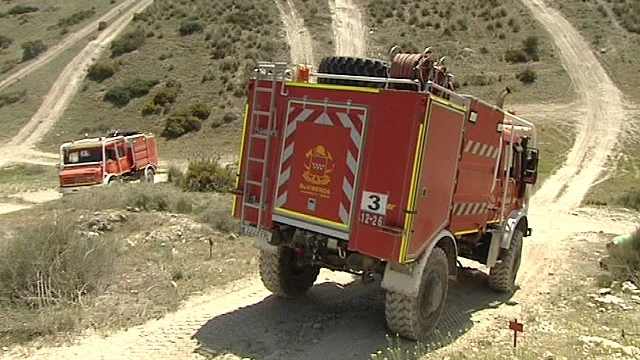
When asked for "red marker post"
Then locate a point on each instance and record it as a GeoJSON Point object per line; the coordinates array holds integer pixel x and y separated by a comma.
{"type": "Point", "coordinates": [516, 327]}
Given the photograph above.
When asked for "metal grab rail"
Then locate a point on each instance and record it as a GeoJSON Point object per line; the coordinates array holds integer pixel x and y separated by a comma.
{"type": "Point", "coordinates": [384, 80]}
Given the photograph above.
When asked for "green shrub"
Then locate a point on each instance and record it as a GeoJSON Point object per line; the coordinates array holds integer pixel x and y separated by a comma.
{"type": "Point", "coordinates": [129, 42]}
{"type": "Point", "coordinates": [530, 47]}
{"type": "Point", "coordinates": [121, 95]}
{"type": "Point", "coordinates": [31, 49]}
{"type": "Point", "coordinates": [207, 174]}
{"type": "Point", "coordinates": [189, 28]}
{"type": "Point", "coordinates": [151, 108]}
{"type": "Point", "coordinates": [624, 259]}
{"type": "Point", "coordinates": [228, 117]}
{"type": "Point", "coordinates": [165, 95]}
{"type": "Point", "coordinates": [175, 175]}
{"type": "Point", "coordinates": [22, 9]}
{"type": "Point", "coordinates": [5, 42]}
{"type": "Point", "coordinates": [102, 25]}
{"type": "Point", "coordinates": [527, 76]}
{"type": "Point", "coordinates": [515, 56]}
{"type": "Point", "coordinates": [52, 262]}
{"type": "Point", "coordinates": [8, 64]}
{"type": "Point", "coordinates": [177, 125]}
{"type": "Point", "coordinates": [76, 18]}
{"type": "Point", "coordinates": [102, 70]}
{"type": "Point", "coordinates": [200, 110]}
{"type": "Point", "coordinates": [12, 97]}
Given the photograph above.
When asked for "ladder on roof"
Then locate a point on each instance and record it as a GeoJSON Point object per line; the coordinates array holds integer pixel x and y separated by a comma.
{"type": "Point", "coordinates": [261, 130]}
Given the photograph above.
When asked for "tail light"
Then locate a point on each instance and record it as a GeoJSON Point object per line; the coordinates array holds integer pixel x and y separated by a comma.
{"type": "Point", "coordinates": [303, 73]}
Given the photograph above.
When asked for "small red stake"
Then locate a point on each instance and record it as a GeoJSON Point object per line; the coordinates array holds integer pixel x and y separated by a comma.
{"type": "Point", "coordinates": [516, 327]}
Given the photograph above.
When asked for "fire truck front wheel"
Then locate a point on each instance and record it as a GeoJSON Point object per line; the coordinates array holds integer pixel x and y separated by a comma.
{"type": "Point", "coordinates": [502, 276]}
{"type": "Point", "coordinates": [415, 317]}
{"type": "Point", "coordinates": [148, 175]}
{"type": "Point", "coordinates": [282, 275]}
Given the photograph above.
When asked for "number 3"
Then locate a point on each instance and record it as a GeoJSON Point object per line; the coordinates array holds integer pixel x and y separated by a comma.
{"type": "Point", "coordinates": [375, 203]}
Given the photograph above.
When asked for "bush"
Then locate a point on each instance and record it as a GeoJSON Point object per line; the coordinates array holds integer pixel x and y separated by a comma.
{"type": "Point", "coordinates": [121, 95]}
{"type": "Point", "coordinates": [515, 56]}
{"type": "Point", "coordinates": [76, 18]}
{"type": "Point", "coordinates": [207, 174]}
{"type": "Point", "coordinates": [5, 42]}
{"type": "Point", "coordinates": [151, 108]}
{"type": "Point", "coordinates": [12, 97]}
{"type": "Point", "coordinates": [530, 47]}
{"type": "Point", "coordinates": [527, 76]}
{"type": "Point", "coordinates": [165, 95]}
{"type": "Point", "coordinates": [200, 110]}
{"type": "Point", "coordinates": [22, 9]}
{"type": "Point", "coordinates": [177, 125]}
{"type": "Point", "coordinates": [624, 259]}
{"type": "Point", "coordinates": [102, 25]}
{"type": "Point", "coordinates": [51, 262]}
{"type": "Point", "coordinates": [102, 70]}
{"type": "Point", "coordinates": [128, 43]}
{"type": "Point", "coordinates": [189, 28]}
{"type": "Point", "coordinates": [31, 49]}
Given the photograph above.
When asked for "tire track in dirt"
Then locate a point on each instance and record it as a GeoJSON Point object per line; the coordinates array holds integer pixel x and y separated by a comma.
{"type": "Point", "coordinates": [298, 36]}
{"type": "Point", "coordinates": [63, 45]}
{"type": "Point", "coordinates": [349, 32]}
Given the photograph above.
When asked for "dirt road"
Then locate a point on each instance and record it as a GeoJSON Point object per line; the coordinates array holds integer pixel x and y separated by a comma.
{"type": "Point", "coordinates": [298, 36]}
{"type": "Point", "coordinates": [349, 30]}
{"type": "Point", "coordinates": [65, 44]}
{"type": "Point", "coordinates": [340, 319]}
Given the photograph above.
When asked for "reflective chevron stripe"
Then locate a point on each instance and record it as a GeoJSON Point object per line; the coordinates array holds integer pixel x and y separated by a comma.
{"type": "Point", "coordinates": [481, 149]}
{"type": "Point", "coordinates": [464, 209]}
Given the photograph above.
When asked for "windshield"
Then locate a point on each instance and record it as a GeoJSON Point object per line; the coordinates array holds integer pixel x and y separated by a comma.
{"type": "Point", "coordinates": [82, 155]}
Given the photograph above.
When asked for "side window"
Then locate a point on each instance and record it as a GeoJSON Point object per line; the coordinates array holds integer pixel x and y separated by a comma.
{"type": "Point", "coordinates": [120, 152]}
{"type": "Point", "coordinates": [111, 153]}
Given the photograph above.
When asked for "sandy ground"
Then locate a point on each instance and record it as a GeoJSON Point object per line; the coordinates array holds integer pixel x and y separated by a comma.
{"type": "Point", "coordinates": [344, 319]}
{"type": "Point", "coordinates": [349, 30]}
{"type": "Point", "coordinates": [297, 34]}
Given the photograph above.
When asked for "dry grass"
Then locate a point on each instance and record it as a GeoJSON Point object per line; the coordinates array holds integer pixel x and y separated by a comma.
{"type": "Point", "coordinates": [163, 257]}
{"type": "Point", "coordinates": [25, 177]}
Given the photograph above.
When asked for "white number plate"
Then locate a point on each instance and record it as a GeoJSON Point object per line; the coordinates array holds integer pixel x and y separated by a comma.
{"type": "Point", "coordinates": [374, 202]}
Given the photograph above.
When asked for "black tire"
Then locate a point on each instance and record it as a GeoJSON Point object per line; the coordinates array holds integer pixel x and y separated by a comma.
{"type": "Point", "coordinates": [282, 277]}
{"type": "Point", "coordinates": [344, 65]}
{"type": "Point", "coordinates": [415, 317]}
{"type": "Point", "coordinates": [148, 176]}
{"type": "Point", "coordinates": [502, 276]}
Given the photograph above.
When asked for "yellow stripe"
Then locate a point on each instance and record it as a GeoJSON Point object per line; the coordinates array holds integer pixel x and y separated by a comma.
{"type": "Point", "coordinates": [333, 87]}
{"type": "Point", "coordinates": [464, 232]}
{"type": "Point", "coordinates": [448, 103]}
{"type": "Point", "coordinates": [313, 218]}
{"type": "Point", "coordinates": [412, 192]}
{"type": "Point", "coordinates": [244, 129]}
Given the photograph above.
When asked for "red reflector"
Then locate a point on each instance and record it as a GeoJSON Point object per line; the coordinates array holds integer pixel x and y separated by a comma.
{"type": "Point", "coordinates": [303, 73]}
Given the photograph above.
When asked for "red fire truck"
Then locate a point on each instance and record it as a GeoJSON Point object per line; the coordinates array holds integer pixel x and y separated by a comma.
{"type": "Point", "coordinates": [116, 157]}
{"type": "Point", "coordinates": [380, 167]}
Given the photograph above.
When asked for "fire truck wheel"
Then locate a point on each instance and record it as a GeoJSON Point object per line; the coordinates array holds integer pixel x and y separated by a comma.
{"type": "Point", "coordinates": [282, 276]}
{"type": "Point", "coordinates": [502, 276]}
{"type": "Point", "coordinates": [148, 175]}
{"type": "Point", "coordinates": [344, 65]}
{"type": "Point", "coordinates": [415, 317]}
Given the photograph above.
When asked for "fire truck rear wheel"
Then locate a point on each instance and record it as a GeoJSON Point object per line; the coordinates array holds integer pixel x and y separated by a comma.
{"type": "Point", "coordinates": [344, 65]}
{"type": "Point", "coordinates": [415, 317]}
{"type": "Point", "coordinates": [282, 276]}
{"type": "Point", "coordinates": [502, 276]}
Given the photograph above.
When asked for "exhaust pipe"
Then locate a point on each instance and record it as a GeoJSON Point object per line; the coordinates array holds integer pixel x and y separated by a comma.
{"type": "Point", "coordinates": [502, 96]}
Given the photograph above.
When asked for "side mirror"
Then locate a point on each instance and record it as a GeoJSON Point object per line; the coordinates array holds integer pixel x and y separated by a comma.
{"type": "Point", "coordinates": [530, 169]}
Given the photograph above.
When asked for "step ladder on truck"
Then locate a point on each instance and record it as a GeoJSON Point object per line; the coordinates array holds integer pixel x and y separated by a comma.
{"type": "Point", "coordinates": [374, 167]}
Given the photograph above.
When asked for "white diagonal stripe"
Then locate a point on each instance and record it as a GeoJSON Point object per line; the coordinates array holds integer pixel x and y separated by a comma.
{"type": "Point", "coordinates": [284, 176]}
{"type": "Point", "coordinates": [476, 207]}
{"type": "Point", "coordinates": [344, 215]}
{"type": "Point", "coordinates": [286, 154]}
{"type": "Point", "coordinates": [468, 147]}
{"type": "Point", "coordinates": [351, 163]}
{"type": "Point", "coordinates": [282, 199]}
{"type": "Point", "coordinates": [461, 209]}
{"type": "Point", "coordinates": [483, 149]}
{"type": "Point", "coordinates": [345, 120]}
{"type": "Point", "coordinates": [475, 149]}
{"type": "Point", "coordinates": [483, 209]}
{"type": "Point", "coordinates": [455, 208]}
{"type": "Point", "coordinates": [347, 188]}
{"type": "Point", "coordinates": [495, 153]}
{"type": "Point", "coordinates": [489, 151]}
{"type": "Point", "coordinates": [468, 210]}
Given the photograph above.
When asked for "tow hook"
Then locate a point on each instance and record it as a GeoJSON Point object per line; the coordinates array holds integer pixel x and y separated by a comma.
{"type": "Point", "coordinates": [529, 232]}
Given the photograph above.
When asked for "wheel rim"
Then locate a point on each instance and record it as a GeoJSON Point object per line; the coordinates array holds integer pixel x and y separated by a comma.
{"type": "Point", "coordinates": [431, 295]}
